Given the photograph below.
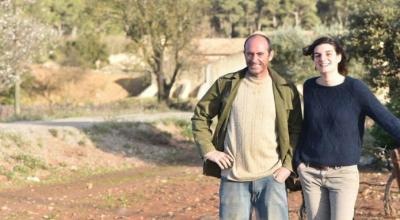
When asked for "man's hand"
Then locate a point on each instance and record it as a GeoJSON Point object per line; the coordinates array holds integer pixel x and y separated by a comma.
{"type": "Point", "coordinates": [281, 174]}
{"type": "Point", "coordinates": [222, 159]}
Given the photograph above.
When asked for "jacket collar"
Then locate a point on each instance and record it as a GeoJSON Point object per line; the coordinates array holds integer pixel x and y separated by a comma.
{"type": "Point", "coordinates": [276, 78]}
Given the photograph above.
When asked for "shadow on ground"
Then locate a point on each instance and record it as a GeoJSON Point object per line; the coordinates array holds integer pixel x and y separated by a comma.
{"type": "Point", "coordinates": [134, 86]}
{"type": "Point", "coordinates": [171, 145]}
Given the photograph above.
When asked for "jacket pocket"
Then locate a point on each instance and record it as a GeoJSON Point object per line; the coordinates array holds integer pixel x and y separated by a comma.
{"type": "Point", "coordinates": [287, 95]}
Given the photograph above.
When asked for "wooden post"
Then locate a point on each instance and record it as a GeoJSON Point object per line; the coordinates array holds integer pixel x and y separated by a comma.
{"type": "Point", "coordinates": [396, 164]}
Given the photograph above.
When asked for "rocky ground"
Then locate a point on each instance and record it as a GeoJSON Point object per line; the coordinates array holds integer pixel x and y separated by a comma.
{"type": "Point", "coordinates": [159, 192]}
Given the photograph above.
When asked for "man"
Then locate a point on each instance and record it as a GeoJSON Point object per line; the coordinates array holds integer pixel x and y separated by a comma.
{"type": "Point", "coordinates": [251, 148]}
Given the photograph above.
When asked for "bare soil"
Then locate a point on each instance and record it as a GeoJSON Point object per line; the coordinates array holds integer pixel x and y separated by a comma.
{"type": "Point", "coordinates": [160, 192]}
{"type": "Point", "coordinates": [72, 85]}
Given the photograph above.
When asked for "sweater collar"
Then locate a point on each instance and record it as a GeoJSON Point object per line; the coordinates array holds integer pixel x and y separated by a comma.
{"type": "Point", "coordinates": [276, 78]}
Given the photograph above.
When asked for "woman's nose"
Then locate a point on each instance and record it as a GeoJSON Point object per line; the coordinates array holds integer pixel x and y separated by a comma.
{"type": "Point", "coordinates": [322, 57]}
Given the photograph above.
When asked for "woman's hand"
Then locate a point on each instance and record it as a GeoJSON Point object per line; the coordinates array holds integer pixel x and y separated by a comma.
{"type": "Point", "coordinates": [300, 167]}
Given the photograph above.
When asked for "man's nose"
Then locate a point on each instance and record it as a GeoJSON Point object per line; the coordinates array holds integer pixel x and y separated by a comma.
{"type": "Point", "coordinates": [254, 58]}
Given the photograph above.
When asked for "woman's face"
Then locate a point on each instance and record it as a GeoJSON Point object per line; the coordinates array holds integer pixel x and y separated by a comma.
{"type": "Point", "coordinates": [326, 59]}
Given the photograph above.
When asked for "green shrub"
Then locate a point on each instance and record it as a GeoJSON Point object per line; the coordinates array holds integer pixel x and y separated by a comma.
{"type": "Point", "coordinates": [9, 139]}
{"type": "Point", "coordinates": [84, 51]}
{"type": "Point", "coordinates": [53, 132]}
{"type": "Point", "coordinates": [7, 173]}
{"type": "Point", "coordinates": [382, 138]}
{"type": "Point", "coordinates": [20, 168]}
{"type": "Point", "coordinates": [103, 128]}
{"type": "Point", "coordinates": [288, 59]}
{"type": "Point", "coordinates": [184, 125]}
{"type": "Point", "coordinates": [7, 94]}
{"type": "Point", "coordinates": [30, 161]}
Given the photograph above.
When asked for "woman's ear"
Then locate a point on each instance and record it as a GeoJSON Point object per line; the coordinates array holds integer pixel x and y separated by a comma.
{"type": "Point", "coordinates": [339, 58]}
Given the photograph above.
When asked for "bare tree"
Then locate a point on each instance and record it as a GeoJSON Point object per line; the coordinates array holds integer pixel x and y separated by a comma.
{"type": "Point", "coordinates": [161, 31]}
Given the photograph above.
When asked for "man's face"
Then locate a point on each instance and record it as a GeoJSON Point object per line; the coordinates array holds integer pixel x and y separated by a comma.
{"type": "Point", "coordinates": [257, 56]}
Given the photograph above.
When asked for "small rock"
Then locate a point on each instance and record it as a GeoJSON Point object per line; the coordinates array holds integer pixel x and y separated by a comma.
{"type": "Point", "coordinates": [122, 211]}
{"type": "Point", "coordinates": [3, 179]}
{"type": "Point", "coordinates": [33, 179]}
{"type": "Point", "coordinates": [89, 185]}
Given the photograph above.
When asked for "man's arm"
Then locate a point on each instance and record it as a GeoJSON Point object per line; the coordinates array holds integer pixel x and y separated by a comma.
{"type": "Point", "coordinates": [206, 109]}
{"type": "Point", "coordinates": [295, 119]}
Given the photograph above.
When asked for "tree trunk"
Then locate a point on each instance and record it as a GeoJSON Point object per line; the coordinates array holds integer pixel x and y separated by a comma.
{"type": "Point", "coordinates": [161, 81]}
{"type": "Point", "coordinates": [233, 30]}
{"type": "Point", "coordinates": [339, 18]}
{"type": "Point", "coordinates": [296, 19]}
{"type": "Point", "coordinates": [274, 21]}
{"type": "Point", "coordinates": [17, 93]}
{"type": "Point", "coordinates": [158, 68]}
{"type": "Point", "coordinates": [257, 22]}
{"type": "Point", "coordinates": [168, 86]}
{"type": "Point", "coordinates": [17, 83]}
{"type": "Point", "coordinates": [160, 87]}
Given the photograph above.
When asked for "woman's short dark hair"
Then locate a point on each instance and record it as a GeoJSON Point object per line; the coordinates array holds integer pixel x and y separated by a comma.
{"type": "Point", "coordinates": [309, 51]}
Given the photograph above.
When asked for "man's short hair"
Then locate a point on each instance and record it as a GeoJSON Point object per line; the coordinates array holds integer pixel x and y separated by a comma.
{"type": "Point", "coordinates": [261, 34]}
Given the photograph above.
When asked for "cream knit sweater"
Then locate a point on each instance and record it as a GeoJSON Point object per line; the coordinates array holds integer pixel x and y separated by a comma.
{"type": "Point", "coordinates": [251, 136]}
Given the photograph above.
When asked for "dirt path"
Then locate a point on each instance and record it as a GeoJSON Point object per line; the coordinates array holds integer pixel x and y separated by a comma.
{"type": "Point", "coordinates": [165, 192]}
{"type": "Point", "coordinates": [82, 122]}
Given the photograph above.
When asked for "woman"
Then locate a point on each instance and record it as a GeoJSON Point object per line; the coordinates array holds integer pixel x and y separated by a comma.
{"type": "Point", "coordinates": [335, 107]}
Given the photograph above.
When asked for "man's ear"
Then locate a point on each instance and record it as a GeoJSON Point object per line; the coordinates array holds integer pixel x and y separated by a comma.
{"type": "Point", "coordinates": [271, 55]}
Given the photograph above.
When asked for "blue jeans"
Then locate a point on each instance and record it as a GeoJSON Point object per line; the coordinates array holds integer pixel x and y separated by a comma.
{"type": "Point", "coordinates": [267, 196]}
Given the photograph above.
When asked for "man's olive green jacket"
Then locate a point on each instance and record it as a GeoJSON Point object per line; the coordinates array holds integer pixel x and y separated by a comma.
{"type": "Point", "coordinates": [218, 102]}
